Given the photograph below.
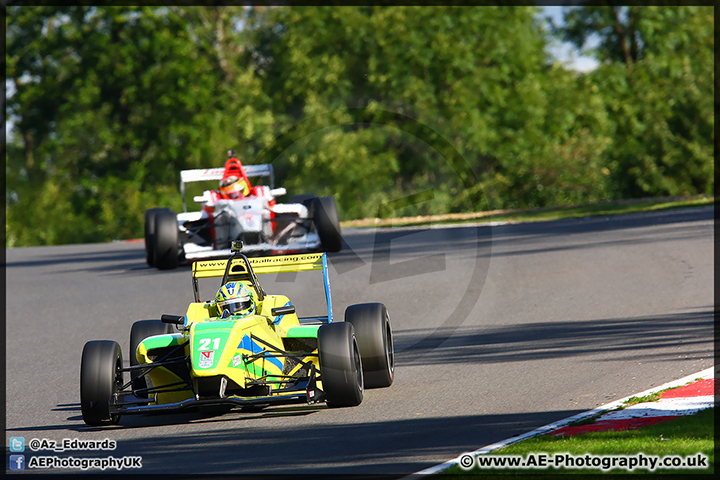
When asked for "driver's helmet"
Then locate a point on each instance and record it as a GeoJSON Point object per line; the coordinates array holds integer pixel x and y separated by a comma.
{"type": "Point", "coordinates": [235, 299]}
{"type": "Point", "coordinates": [234, 187]}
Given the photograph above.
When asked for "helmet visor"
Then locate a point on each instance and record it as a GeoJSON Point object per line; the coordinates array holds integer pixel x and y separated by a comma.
{"type": "Point", "coordinates": [237, 306]}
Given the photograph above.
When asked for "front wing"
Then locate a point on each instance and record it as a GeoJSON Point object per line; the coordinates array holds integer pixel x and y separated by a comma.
{"type": "Point", "coordinates": [309, 396]}
{"type": "Point", "coordinates": [303, 390]}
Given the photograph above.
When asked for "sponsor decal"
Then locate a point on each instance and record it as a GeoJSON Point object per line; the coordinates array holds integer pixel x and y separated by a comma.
{"type": "Point", "coordinates": [206, 359]}
{"type": "Point", "coordinates": [237, 360]}
{"type": "Point", "coordinates": [286, 260]}
{"type": "Point", "coordinates": [210, 264]}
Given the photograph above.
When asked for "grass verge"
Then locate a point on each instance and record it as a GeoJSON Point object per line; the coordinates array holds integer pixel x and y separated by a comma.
{"type": "Point", "coordinates": [540, 214]}
{"type": "Point", "coordinates": [685, 437]}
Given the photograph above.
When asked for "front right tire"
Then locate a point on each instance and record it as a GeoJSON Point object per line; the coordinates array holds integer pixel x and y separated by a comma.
{"type": "Point", "coordinates": [375, 339]}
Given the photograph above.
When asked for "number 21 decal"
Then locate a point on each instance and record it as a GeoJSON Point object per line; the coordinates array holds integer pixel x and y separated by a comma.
{"type": "Point", "coordinates": [205, 343]}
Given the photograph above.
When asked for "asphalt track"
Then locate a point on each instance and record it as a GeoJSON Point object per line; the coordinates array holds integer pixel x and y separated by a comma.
{"type": "Point", "coordinates": [499, 330]}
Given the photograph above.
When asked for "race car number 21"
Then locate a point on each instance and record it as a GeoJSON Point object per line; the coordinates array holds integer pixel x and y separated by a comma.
{"type": "Point", "coordinates": [205, 344]}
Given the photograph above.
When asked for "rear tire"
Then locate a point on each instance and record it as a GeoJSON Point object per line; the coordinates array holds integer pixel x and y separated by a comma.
{"type": "Point", "coordinates": [374, 336]}
{"type": "Point", "coordinates": [141, 330]}
{"type": "Point", "coordinates": [165, 241]}
{"type": "Point", "coordinates": [327, 223]}
{"type": "Point", "coordinates": [100, 378]}
{"type": "Point", "coordinates": [340, 365]}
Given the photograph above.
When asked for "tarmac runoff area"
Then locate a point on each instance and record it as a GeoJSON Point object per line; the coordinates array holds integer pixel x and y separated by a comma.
{"type": "Point", "coordinates": [696, 392]}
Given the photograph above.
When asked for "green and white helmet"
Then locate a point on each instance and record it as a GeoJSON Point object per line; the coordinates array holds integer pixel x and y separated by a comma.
{"type": "Point", "coordinates": [236, 299]}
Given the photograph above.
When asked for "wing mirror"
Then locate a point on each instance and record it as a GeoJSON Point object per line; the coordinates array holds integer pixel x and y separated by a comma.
{"type": "Point", "coordinates": [173, 319]}
{"type": "Point", "coordinates": [276, 192]}
{"type": "Point", "coordinates": [286, 310]}
{"type": "Point", "coordinates": [204, 198]}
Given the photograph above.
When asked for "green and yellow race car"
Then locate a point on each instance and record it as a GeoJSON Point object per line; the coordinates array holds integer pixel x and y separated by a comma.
{"type": "Point", "coordinates": [245, 348]}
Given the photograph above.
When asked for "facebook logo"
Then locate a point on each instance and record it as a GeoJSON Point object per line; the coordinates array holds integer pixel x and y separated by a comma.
{"type": "Point", "coordinates": [17, 462]}
{"type": "Point", "coordinates": [17, 444]}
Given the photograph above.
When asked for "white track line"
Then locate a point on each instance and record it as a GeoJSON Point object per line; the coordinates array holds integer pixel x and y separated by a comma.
{"type": "Point", "coordinates": [705, 374]}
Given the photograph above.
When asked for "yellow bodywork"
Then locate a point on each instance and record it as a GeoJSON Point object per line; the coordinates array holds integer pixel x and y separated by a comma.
{"type": "Point", "coordinates": [226, 347]}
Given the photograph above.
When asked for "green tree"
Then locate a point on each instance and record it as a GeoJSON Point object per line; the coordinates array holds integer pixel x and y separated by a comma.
{"type": "Point", "coordinates": [434, 109]}
{"type": "Point", "coordinates": [479, 77]}
{"type": "Point", "coordinates": [110, 104]}
{"type": "Point", "coordinates": [657, 78]}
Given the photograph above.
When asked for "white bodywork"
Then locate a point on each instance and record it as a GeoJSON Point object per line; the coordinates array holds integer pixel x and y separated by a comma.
{"type": "Point", "coordinates": [250, 215]}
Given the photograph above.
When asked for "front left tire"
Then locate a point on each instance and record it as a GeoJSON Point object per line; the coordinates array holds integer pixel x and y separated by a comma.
{"type": "Point", "coordinates": [100, 379]}
{"type": "Point", "coordinates": [340, 365]}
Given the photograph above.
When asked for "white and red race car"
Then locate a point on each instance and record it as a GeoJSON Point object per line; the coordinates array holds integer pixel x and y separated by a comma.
{"type": "Point", "coordinates": [307, 223]}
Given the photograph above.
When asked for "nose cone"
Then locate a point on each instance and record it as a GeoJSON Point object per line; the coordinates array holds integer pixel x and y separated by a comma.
{"type": "Point", "coordinates": [209, 342]}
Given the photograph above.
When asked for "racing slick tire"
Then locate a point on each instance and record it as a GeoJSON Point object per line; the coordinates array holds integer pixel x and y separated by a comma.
{"type": "Point", "coordinates": [100, 378]}
{"type": "Point", "coordinates": [327, 223]}
{"type": "Point", "coordinates": [141, 330]}
{"type": "Point", "coordinates": [340, 365]}
{"type": "Point", "coordinates": [150, 235]}
{"type": "Point", "coordinates": [165, 240]}
{"type": "Point", "coordinates": [374, 336]}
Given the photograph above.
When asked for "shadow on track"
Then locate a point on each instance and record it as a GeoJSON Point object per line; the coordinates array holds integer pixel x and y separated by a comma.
{"type": "Point", "coordinates": [627, 338]}
{"type": "Point", "coordinates": [249, 445]}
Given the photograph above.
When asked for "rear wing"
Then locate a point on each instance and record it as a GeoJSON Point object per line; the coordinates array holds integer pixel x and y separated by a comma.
{"type": "Point", "coordinates": [208, 174]}
{"type": "Point", "coordinates": [289, 263]}
{"type": "Point", "coordinates": [277, 264]}
{"type": "Point", "coordinates": [262, 265]}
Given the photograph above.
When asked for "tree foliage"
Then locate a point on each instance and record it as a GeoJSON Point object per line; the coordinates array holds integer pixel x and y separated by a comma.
{"type": "Point", "coordinates": [423, 109]}
{"type": "Point", "coordinates": [657, 79]}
